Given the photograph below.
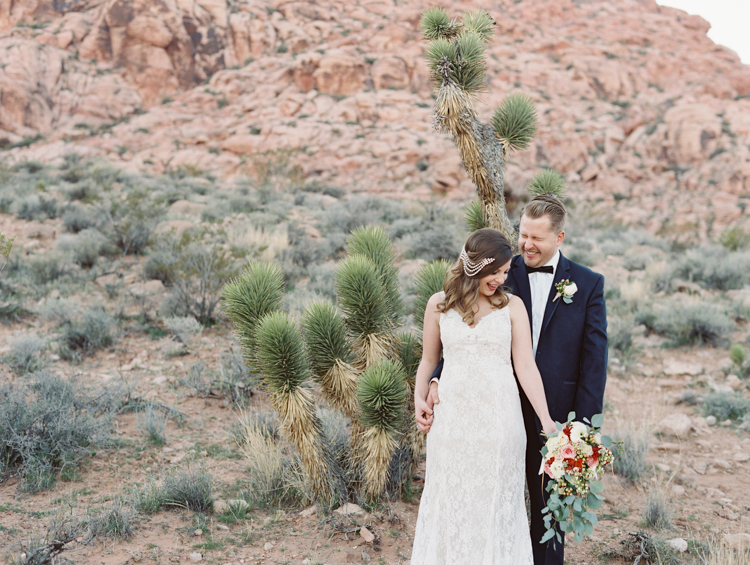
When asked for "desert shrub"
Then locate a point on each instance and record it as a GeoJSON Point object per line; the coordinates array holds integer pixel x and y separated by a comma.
{"type": "Point", "coordinates": [77, 218]}
{"type": "Point", "coordinates": [737, 354]}
{"type": "Point", "coordinates": [715, 268]}
{"type": "Point", "coordinates": [630, 452]}
{"type": "Point", "coordinates": [196, 266]}
{"type": "Point", "coordinates": [35, 207]}
{"type": "Point", "coordinates": [11, 304]}
{"type": "Point", "coordinates": [657, 514]}
{"type": "Point", "coordinates": [128, 223]}
{"type": "Point", "coordinates": [83, 248]}
{"type": "Point", "coordinates": [64, 528]}
{"type": "Point", "coordinates": [275, 476]}
{"type": "Point", "coordinates": [48, 426]}
{"type": "Point", "coordinates": [735, 239]}
{"type": "Point", "coordinates": [24, 355]}
{"type": "Point", "coordinates": [741, 305]}
{"type": "Point", "coordinates": [117, 520]}
{"type": "Point", "coordinates": [725, 405]}
{"type": "Point", "coordinates": [346, 216]}
{"type": "Point", "coordinates": [94, 330]}
{"type": "Point", "coordinates": [183, 328]}
{"type": "Point", "coordinates": [740, 360]}
{"type": "Point", "coordinates": [620, 334]}
{"type": "Point", "coordinates": [235, 376]}
{"type": "Point", "coordinates": [690, 323]}
{"type": "Point", "coordinates": [47, 268]}
{"type": "Point", "coordinates": [152, 423]}
{"type": "Point", "coordinates": [581, 251]}
{"type": "Point", "coordinates": [186, 487]}
{"type": "Point", "coordinates": [433, 241]}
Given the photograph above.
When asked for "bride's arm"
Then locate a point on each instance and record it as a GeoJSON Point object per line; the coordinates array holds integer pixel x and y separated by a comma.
{"type": "Point", "coordinates": [431, 348]}
{"type": "Point", "coordinates": [524, 364]}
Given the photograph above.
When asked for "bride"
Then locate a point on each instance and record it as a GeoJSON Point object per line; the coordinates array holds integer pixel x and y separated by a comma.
{"type": "Point", "coordinates": [472, 509]}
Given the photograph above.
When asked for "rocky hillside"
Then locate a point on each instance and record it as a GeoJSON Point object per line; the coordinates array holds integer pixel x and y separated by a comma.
{"type": "Point", "coordinates": [645, 115]}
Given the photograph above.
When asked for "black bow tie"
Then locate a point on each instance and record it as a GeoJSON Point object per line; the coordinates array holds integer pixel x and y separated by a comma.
{"type": "Point", "coordinates": [545, 269]}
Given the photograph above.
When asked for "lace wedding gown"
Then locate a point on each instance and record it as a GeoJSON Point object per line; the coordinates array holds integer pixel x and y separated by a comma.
{"type": "Point", "coordinates": [472, 510]}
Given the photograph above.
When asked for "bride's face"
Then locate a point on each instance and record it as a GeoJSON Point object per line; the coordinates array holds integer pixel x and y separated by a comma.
{"type": "Point", "coordinates": [488, 284]}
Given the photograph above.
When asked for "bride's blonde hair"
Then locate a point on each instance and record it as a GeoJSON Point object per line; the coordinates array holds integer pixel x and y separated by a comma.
{"type": "Point", "coordinates": [462, 290]}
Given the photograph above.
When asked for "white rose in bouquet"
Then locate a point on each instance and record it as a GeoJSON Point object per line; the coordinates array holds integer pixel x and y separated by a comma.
{"type": "Point", "coordinates": [577, 431]}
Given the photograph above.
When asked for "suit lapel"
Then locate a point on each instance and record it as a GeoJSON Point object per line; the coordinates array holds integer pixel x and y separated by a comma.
{"type": "Point", "coordinates": [523, 288]}
{"type": "Point", "coordinates": [563, 268]}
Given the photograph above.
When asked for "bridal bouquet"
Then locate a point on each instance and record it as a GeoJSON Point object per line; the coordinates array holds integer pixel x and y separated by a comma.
{"type": "Point", "coordinates": [574, 458]}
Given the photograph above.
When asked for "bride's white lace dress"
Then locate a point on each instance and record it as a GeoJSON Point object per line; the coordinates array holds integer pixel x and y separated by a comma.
{"type": "Point", "coordinates": [472, 510]}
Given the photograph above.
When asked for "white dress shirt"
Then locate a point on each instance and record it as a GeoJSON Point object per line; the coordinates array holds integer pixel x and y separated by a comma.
{"type": "Point", "coordinates": [541, 284]}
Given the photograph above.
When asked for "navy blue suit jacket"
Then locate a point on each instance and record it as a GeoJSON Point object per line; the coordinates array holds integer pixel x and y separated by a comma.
{"type": "Point", "coordinates": [572, 350]}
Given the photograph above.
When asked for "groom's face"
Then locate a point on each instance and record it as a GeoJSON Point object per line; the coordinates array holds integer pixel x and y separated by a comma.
{"type": "Point", "coordinates": [537, 241]}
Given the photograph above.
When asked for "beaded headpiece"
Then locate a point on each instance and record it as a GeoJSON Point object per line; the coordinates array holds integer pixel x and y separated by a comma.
{"type": "Point", "coordinates": [470, 267]}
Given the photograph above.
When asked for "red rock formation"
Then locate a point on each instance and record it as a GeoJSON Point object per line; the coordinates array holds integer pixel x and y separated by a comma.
{"type": "Point", "coordinates": [643, 113]}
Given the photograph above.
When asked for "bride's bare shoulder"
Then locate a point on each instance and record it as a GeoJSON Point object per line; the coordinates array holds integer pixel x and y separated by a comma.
{"type": "Point", "coordinates": [436, 299]}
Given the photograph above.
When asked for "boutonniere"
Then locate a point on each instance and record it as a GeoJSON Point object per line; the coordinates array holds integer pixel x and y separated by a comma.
{"type": "Point", "coordinates": [565, 290]}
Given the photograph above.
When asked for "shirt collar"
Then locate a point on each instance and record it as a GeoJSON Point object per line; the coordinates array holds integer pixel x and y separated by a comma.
{"type": "Point", "coordinates": [554, 261]}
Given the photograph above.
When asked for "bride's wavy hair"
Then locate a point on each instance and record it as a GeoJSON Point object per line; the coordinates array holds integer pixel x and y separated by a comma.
{"type": "Point", "coordinates": [462, 290]}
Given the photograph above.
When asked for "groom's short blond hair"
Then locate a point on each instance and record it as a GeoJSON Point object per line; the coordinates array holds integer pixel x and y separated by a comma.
{"type": "Point", "coordinates": [547, 205]}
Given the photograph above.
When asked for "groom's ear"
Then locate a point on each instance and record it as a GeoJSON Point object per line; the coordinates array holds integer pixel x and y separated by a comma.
{"type": "Point", "coordinates": [560, 238]}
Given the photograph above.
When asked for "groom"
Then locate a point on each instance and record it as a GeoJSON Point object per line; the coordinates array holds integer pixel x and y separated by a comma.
{"type": "Point", "coordinates": [569, 342]}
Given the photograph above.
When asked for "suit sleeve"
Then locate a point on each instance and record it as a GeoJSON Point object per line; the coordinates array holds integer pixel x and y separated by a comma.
{"type": "Point", "coordinates": [593, 371]}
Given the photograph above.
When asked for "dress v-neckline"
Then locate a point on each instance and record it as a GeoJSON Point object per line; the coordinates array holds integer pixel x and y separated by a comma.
{"type": "Point", "coordinates": [476, 323]}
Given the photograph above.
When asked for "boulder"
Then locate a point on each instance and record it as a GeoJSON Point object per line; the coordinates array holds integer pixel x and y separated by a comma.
{"type": "Point", "coordinates": [390, 72]}
{"type": "Point", "coordinates": [339, 74]}
{"type": "Point", "coordinates": [738, 542]}
{"type": "Point", "coordinates": [678, 425]}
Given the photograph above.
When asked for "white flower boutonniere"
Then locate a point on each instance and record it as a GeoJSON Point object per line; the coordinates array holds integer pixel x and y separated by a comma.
{"type": "Point", "coordinates": [565, 290]}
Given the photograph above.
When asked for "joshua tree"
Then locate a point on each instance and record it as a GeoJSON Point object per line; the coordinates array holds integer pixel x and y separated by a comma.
{"type": "Point", "coordinates": [362, 366]}
{"type": "Point", "coordinates": [456, 55]}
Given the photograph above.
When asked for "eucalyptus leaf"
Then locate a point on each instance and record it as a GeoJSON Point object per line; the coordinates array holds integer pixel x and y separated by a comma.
{"type": "Point", "coordinates": [578, 505]}
{"type": "Point", "coordinates": [596, 487]}
{"type": "Point", "coordinates": [607, 441]}
{"type": "Point", "coordinates": [548, 535]}
{"type": "Point", "coordinates": [593, 502]}
{"type": "Point", "coordinates": [597, 420]}
{"type": "Point", "coordinates": [588, 528]}
{"type": "Point", "coordinates": [571, 416]}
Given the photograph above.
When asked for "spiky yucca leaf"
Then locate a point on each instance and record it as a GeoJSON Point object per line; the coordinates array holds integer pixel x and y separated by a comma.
{"type": "Point", "coordinates": [331, 355]}
{"type": "Point", "coordinates": [381, 393]}
{"type": "Point", "coordinates": [548, 181]}
{"type": "Point", "coordinates": [515, 121]}
{"type": "Point", "coordinates": [429, 280]}
{"type": "Point", "coordinates": [257, 291]}
{"type": "Point", "coordinates": [374, 243]}
{"type": "Point", "coordinates": [325, 335]}
{"type": "Point", "coordinates": [281, 354]}
{"type": "Point", "coordinates": [410, 353]}
{"type": "Point", "coordinates": [470, 69]}
{"type": "Point", "coordinates": [439, 53]}
{"type": "Point", "coordinates": [436, 23]}
{"type": "Point", "coordinates": [362, 296]}
{"type": "Point", "coordinates": [480, 22]}
{"type": "Point", "coordinates": [474, 216]}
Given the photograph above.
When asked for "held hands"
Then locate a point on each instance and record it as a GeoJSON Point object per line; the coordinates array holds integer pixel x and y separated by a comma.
{"type": "Point", "coordinates": [423, 408]}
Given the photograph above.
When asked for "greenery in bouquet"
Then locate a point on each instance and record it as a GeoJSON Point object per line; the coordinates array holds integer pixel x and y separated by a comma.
{"type": "Point", "coordinates": [574, 458]}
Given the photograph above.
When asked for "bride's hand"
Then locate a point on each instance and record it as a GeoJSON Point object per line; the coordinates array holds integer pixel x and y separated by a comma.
{"type": "Point", "coordinates": [549, 427]}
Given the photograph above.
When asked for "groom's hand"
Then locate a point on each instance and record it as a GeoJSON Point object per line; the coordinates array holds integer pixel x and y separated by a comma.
{"type": "Point", "coordinates": [432, 395]}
